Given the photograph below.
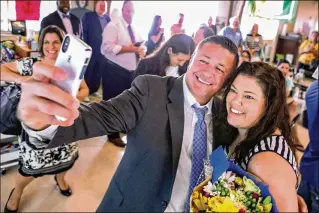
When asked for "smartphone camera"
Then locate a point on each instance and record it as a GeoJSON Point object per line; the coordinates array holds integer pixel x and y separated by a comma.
{"type": "Point", "coordinates": [66, 44]}
{"type": "Point", "coordinates": [83, 72]}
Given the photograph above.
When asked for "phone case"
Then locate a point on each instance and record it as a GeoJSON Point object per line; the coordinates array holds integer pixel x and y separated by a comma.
{"type": "Point", "coordinates": [74, 57]}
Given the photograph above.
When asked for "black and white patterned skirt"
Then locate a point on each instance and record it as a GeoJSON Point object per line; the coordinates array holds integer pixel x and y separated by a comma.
{"type": "Point", "coordinates": [38, 162]}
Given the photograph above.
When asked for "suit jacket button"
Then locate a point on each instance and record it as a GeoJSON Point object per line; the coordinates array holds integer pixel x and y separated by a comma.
{"type": "Point", "coordinates": [164, 204]}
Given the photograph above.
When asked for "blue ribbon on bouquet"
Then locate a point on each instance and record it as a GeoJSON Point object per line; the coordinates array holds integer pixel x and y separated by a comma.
{"type": "Point", "coordinates": [221, 164]}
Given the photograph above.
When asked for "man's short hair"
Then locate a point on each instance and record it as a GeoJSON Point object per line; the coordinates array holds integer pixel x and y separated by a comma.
{"type": "Point", "coordinates": [225, 43]}
{"type": "Point", "coordinates": [124, 3]}
{"type": "Point", "coordinates": [207, 31]}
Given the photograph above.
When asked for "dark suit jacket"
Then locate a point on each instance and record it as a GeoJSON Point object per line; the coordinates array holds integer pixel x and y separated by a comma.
{"type": "Point", "coordinates": [92, 32]}
{"type": "Point", "coordinates": [55, 19]}
{"type": "Point", "coordinates": [151, 113]}
{"type": "Point", "coordinates": [148, 66]}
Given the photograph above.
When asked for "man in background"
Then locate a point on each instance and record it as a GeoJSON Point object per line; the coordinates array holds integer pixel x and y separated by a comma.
{"type": "Point", "coordinates": [309, 165]}
{"type": "Point", "coordinates": [233, 32]}
{"type": "Point", "coordinates": [122, 48]}
{"type": "Point", "coordinates": [81, 8]}
{"type": "Point", "coordinates": [62, 18]}
{"type": "Point", "coordinates": [178, 28]}
{"type": "Point", "coordinates": [93, 24]}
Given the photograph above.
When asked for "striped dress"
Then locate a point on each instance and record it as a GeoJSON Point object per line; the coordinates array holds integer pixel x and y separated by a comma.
{"type": "Point", "coordinates": [274, 143]}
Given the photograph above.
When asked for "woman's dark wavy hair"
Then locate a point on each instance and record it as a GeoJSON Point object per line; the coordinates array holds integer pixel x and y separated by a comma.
{"type": "Point", "coordinates": [179, 43]}
{"type": "Point", "coordinates": [155, 28]}
{"type": "Point", "coordinates": [275, 115]}
{"type": "Point", "coordinates": [49, 29]}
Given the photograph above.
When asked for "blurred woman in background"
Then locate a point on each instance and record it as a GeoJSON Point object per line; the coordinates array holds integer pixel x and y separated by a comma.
{"type": "Point", "coordinates": [254, 44]}
{"type": "Point", "coordinates": [155, 35]}
{"type": "Point", "coordinates": [169, 58]}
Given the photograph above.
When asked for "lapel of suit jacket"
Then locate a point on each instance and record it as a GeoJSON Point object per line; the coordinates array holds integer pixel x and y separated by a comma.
{"type": "Point", "coordinates": [176, 119]}
{"type": "Point", "coordinates": [75, 24]}
{"type": "Point", "coordinates": [216, 108]}
{"type": "Point", "coordinates": [59, 21]}
{"type": "Point", "coordinates": [97, 21]}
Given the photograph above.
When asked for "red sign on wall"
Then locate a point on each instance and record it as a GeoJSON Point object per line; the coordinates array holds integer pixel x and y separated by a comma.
{"type": "Point", "coordinates": [28, 10]}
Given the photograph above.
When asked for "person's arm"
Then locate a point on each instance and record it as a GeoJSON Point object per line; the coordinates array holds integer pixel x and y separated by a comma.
{"type": "Point", "coordinates": [260, 43]}
{"type": "Point", "coordinates": [109, 42]}
{"type": "Point", "coordinates": [119, 114]}
{"type": "Point", "coordinates": [246, 44]}
{"type": "Point", "coordinates": [303, 47]}
{"type": "Point", "coordinates": [315, 51]}
{"type": "Point", "coordinates": [157, 37]}
{"type": "Point", "coordinates": [9, 73]}
{"type": "Point", "coordinates": [276, 172]}
{"type": "Point", "coordinates": [83, 91]}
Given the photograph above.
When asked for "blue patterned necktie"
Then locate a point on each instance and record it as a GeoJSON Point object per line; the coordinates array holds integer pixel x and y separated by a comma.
{"type": "Point", "coordinates": [199, 150]}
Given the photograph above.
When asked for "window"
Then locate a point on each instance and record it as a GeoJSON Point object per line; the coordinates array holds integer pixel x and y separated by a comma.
{"type": "Point", "coordinates": [8, 13]}
{"type": "Point", "coordinates": [267, 27]}
{"type": "Point", "coordinates": [195, 12]}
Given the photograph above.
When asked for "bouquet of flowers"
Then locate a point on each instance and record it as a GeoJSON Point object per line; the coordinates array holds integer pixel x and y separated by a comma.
{"type": "Point", "coordinates": [230, 189]}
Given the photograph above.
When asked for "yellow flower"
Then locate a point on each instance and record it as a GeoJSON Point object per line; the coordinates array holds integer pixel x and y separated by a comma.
{"type": "Point", "coordinates": [201, 203]}
{"type": "Point", "coordinates": [222, 205]}
{"type": "Point", "coordinates": [195, 195]}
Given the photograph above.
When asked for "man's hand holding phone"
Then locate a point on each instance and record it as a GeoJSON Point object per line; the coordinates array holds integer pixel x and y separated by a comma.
{"type": "Point", "coordinates": [41, 101]}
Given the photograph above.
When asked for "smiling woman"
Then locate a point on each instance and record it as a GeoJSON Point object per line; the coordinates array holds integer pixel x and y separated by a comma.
{"type": "Point", "coordinates": [254, 129]}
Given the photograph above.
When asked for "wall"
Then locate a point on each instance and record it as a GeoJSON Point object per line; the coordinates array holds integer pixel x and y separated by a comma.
{"type": "Point", "coordinates": [224, 9]}
{"type": "Point", "coordinates": [306, 10]}
{"type": "Point", "coordinates": [307, 14]}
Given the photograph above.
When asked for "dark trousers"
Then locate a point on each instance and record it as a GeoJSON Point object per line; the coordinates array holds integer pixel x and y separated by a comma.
{"type": "Point", "coordinates": [115, 79]}
{"type": "Point", "coordinates": [93, 74]}
{"type": "Point", "coordinates": [310, 195]}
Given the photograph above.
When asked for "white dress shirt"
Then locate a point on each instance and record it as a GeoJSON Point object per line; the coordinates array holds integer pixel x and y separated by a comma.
{"type": "Point", "coordinates": [172, 71]}
{"type": "Point", "coordinates": [115, 35]}
{"type": "Point", "coordinates": [183, 174]}
{"type": "Point", "coordinates": [66, 22]}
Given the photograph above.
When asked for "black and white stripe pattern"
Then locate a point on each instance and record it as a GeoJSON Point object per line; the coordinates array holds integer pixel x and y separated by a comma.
{"type": "Point", "coordinates": [276, 144]}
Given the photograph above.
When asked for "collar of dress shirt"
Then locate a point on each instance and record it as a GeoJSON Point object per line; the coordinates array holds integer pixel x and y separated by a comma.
{"type": "Point", "coordinates": [60, 14]}
{"type": "Point", "coordinates": [189, 99]}
{"type": "Point", "coordinates": [124, 22]}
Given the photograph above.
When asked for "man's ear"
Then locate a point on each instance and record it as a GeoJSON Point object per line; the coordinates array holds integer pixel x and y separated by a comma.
{"type": "Point", "coordinates": [169, 51]}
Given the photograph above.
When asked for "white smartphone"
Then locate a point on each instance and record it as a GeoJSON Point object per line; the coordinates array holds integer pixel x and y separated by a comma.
{"type": "Point", "coordinates": [74, 57]}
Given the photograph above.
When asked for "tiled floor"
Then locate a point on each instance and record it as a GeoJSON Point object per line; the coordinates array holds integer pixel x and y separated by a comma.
{"type": "Point", "coordinates": [89, 179]}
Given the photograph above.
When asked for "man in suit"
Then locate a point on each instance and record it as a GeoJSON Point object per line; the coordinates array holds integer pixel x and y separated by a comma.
{"type": "Point", "coordinates": [62, 18]}
{"type": "Point", "coordinates": [93, 24]}
{"type": "Point", "coordinates": [81, 8]}
{"type": "Point", "coordinates": [122, 48]}
{"type": "Point", "coordinates": [168, 122]}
